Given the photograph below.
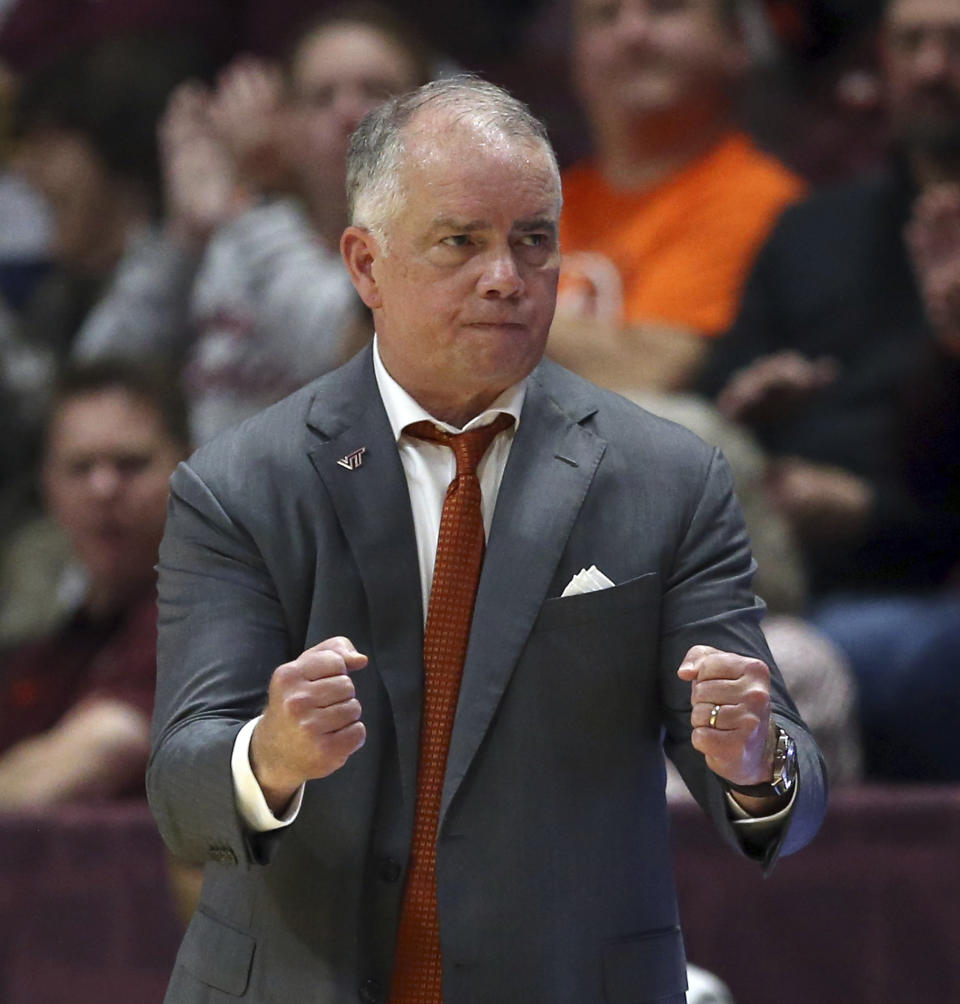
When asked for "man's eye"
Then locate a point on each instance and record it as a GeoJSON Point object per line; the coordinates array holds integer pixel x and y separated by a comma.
{"type": "Point", "coordinates": [456, 240]}
{"type": "Point", "coordinates": [78, 468]}
{"type": "Point", "coordinates": [134, 464]}
{"type": "Point", "coordinates": [315, 100]}
{"type": "Point", "coordinates": [905, 40]}
{"type": "Point", "coordinates": [541, 242]}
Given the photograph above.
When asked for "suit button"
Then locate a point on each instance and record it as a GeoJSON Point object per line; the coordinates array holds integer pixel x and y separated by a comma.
{"type": "Point", "coordinates": [371, 992]}
{"type": "Point", "coordinates": [389, 870]}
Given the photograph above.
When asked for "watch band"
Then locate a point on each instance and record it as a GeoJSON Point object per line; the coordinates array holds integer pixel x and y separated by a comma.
{"type": "Point", "coordinates": [784, 771]}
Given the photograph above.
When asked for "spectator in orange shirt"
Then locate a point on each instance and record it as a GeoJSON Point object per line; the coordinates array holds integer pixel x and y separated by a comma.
{"type": "Point", "coordinates": [660, 227]}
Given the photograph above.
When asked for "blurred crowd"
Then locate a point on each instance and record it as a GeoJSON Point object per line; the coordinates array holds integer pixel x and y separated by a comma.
{"type": "Point", "coordinates": [761, 237]}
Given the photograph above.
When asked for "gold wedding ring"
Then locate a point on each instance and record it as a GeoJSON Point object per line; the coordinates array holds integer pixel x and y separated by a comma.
{"type": "Point", "coordinates": [713, 716]}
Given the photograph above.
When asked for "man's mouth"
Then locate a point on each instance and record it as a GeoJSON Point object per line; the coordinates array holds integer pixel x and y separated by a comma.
{"type": "Point", "coordinates": [505, 323]}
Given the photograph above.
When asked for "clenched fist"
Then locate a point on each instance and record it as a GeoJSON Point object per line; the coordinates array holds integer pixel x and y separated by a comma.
{"type": "Point", "coordinates": [311, 725]}
{"type": "Point", "coordinates": [730, 715]}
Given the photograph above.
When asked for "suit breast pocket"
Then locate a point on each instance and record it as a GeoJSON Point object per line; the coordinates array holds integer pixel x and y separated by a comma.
{"type": "Point", "coordinates": [595, 655]}
{"type": "Point", "coordinates": [637, 598]}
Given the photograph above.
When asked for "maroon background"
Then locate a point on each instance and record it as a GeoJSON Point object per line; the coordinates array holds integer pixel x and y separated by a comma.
{"type": "Point", "coordinates": [868, 914]}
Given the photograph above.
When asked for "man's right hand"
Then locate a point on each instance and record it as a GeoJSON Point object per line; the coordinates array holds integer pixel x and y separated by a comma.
{"type": "Point", "coordinates": [311, 725]}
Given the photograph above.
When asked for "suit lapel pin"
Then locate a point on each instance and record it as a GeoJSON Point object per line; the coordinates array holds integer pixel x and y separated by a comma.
{"type": "Point", "coordinates": [353, 460]}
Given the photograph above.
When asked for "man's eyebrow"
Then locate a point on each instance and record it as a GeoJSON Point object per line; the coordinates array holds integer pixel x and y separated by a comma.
{"type": "Point", "coordinates": [542, 223]}
{"type": "Point", "coordinates": [459, 225]}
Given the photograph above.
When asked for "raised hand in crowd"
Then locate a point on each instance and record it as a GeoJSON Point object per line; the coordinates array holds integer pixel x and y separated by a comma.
{"type": "Point", "coordinates": [250, 118]}
{"type": "Point", "coordinates": [822, 502]}
{"type": "Point", "coordinates": [774, 386]}
{"type": "Point", "coordinates": [222, 148]}
{"type": "Point", "coordinates": [199, 173]}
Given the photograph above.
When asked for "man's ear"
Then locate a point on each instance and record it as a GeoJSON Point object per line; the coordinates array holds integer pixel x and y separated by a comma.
{"type": "Point", "coordinates": [359, 250]}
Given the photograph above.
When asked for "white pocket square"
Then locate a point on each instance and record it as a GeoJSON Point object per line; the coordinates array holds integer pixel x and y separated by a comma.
{"type": "Point", "coordinates": [587, 580]}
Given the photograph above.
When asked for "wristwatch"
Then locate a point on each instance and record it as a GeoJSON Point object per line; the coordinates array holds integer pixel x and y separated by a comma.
{"type": "Point", "coordinates": [784, 771]}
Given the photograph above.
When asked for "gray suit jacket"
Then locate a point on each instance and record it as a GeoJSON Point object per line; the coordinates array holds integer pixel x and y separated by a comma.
{"type": "Point", "coordinates": [553, 864]}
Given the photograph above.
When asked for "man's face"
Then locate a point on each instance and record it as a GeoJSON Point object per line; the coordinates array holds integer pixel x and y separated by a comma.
{"type": "Point", "coordinates": [464, 296]}
{"type": "Point", "coordinates": [921, 50]}
{"type": "Point", "coordinates": [647, 57]}
{"type": "Point", "coordinates": [105, 474]}
{"type": "Point", "coordinates": [338, 75]}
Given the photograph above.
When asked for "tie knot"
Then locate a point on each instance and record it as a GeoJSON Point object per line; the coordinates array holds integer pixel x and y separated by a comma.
{"type": "Point", "coordinates": [468, 447]}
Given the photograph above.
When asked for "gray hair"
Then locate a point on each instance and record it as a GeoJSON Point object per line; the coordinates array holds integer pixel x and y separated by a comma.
{"type": "Point", "coordinates": [375, 156]}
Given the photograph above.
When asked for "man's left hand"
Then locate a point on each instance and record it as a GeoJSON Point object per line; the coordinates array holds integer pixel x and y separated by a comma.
{"type": "Point", "coordinates": [732, 691]}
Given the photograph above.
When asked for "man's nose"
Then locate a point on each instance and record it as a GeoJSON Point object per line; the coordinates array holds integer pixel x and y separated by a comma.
{"type": "Point", "coordinates": [104, 481]}
{"type": "Point", "coordinates": [501, 276]}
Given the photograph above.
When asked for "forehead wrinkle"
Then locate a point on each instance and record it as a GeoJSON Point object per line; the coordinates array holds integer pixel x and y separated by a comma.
{"type": "Point", "coordinates": [524, 225]}
{"type": "Point", "coordinates": [447, 222]}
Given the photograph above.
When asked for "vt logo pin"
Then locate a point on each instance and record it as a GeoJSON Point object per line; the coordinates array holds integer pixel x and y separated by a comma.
{"type": "Point", "coordinates": [353, 460]}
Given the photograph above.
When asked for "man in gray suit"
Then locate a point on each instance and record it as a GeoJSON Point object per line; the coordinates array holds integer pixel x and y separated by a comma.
{"type": "Point", "coordinates": [294, 580]}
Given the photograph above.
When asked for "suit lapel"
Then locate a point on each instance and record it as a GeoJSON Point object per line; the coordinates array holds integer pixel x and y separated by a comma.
{"type": "Point", "coordinates": [550, 469]}
{"type": "Point", "coordinates": [372, 503]}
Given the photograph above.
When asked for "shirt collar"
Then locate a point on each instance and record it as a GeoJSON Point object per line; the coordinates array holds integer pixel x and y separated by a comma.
{"type": "Point", "coordinates": [402, 410]}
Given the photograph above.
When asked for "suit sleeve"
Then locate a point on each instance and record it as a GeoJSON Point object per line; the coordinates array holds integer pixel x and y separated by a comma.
{"type": "Point", "coordinates": [221, 634]}
{"type": "Point", "coordinates": [708, 600]}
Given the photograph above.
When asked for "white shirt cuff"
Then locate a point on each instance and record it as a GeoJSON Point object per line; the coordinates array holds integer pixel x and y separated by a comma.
{"type": "Point", "coordinates": [251, 804]}
{"type": "Point", "coordinates": [742, 820]}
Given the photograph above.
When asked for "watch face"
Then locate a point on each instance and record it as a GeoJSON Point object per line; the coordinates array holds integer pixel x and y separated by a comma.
{"type": "Point", "coordinates": [784, 763]}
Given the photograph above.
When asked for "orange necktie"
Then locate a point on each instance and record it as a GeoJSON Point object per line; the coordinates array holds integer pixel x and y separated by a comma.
{"type": "Point", "coordinates": [418, 970]}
